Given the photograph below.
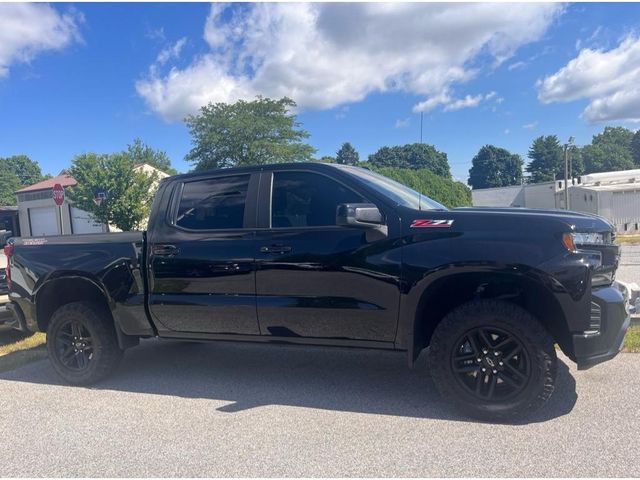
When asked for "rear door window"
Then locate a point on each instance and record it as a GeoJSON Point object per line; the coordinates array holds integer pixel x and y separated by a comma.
{"type": "Point", "coordinates": [213, 204]}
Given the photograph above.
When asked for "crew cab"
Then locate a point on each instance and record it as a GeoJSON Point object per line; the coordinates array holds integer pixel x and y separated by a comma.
{"type": "Point", "coordinates": [333, 255]}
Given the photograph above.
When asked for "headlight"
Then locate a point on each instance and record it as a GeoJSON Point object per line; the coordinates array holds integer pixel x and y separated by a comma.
{"type": "Point", "coordinates": [588, 238]}
{"type": "Point", "coordinates": [570, 240]}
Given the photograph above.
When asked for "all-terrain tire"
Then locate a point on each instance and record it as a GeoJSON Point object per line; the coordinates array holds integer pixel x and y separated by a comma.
{"type": "Point", "coordinates": [100, 359]}
{"type": "Point", "coordinates": [454, 383]}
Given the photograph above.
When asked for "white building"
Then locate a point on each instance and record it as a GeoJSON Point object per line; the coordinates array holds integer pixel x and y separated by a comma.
{"type": "Point", "coordinates": [613, 195]}
{"type": "Point", "coordinates": [535, 195]}
{"type": "Point", "coordinates": [40, 216]}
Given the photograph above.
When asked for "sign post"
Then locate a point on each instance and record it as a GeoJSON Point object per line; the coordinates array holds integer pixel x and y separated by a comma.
{"type": "Point", "coordinates": [57, 192]}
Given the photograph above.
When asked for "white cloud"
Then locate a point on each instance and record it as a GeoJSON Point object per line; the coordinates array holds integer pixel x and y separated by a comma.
{"type": "Point", "coordinates": [517, 65]}
{"type": "Point", "coordinates": [403, 122]}
{"type": "Point", "coordinates": [466, 102]}
{"type": "Point", "coordinates": [155, 33]}
{"type": "Point", "coordinates": [171, 52]}
{"type": "Point", "coordinates": [530, 126]}
{"type": "Point", "coordinates": [451, 104]}
{"type": "Point", "coordinates": [610, 80]}
{"type": "Point", "coordinates": [325, 55]}
{"type": "Point", "coordinates": [27, 29]}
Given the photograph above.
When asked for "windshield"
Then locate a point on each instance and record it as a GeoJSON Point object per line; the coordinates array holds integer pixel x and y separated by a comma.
{"type": "Point", "coordinates": [396, 191]}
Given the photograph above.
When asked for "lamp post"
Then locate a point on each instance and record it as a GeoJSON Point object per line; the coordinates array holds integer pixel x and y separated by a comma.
{"type": "Point", "coordinates": [566, 172]}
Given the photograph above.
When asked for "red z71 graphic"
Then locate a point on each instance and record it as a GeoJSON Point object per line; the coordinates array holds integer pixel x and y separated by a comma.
{"type": "Point", "coordinates": [432, 224]}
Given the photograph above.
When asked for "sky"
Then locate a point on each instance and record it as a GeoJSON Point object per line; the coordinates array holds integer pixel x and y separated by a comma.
{"type": "Point", "coordinates": [92, 77]}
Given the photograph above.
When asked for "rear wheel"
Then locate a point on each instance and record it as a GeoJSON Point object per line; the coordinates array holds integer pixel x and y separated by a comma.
{"type": "Point", "coordinates": [493, 360]}
{"type": "Point", "coordinates": [82, 343]}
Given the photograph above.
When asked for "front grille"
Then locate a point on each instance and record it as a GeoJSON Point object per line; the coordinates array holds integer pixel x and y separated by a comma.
{"type": "Point", "coordinates": [595, 319]}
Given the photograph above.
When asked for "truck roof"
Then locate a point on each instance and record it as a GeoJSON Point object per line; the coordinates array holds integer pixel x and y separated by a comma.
{"type": "Point", "coordinates": [257, 168]}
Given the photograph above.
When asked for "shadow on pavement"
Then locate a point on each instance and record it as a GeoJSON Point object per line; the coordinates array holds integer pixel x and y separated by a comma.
{"type": "Point", "coordinates": [254, 375]}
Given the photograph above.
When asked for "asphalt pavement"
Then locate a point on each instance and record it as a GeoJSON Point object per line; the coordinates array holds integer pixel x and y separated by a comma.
{"type": "Point", "coordinates": [224, 409]}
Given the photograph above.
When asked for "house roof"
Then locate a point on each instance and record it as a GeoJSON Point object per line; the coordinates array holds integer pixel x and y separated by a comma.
{"type": "Point", "coordinates": [62, 179]}
{"type": "Point", "coordinates": [612, 187]}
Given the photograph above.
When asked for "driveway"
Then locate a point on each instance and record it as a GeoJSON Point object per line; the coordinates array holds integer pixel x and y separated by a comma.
{"type": "Point", "coordinates": [187, 409]}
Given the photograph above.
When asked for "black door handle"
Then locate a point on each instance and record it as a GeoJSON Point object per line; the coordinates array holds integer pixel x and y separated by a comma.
{"type": "Point", "coordinates": [275, 249]}
{"type": "Point", "coordinates": [165, 250]}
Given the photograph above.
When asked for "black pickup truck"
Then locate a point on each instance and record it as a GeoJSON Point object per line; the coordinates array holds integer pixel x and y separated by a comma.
{"type": "Point", "coordinates": [333, 255]}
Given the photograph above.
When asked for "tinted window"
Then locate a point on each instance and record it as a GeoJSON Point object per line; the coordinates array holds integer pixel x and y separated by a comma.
{"type": "Point", "coordinates": [302, 199]}
{"type": "Point", "coordinates": [396, 191]}
{"type": "Point", "coordinates": [214, 203]}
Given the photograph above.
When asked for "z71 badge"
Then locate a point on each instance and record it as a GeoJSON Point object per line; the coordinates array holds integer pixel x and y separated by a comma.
{"type": "Point", "coordinates": [432, 224]}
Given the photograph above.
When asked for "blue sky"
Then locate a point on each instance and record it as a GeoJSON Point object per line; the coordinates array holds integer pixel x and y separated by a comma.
{"type": "Point", "coordinates": [91, 77]}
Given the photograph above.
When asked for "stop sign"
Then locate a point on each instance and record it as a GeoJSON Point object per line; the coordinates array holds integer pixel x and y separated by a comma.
{"type": "Point", "coordinates": [58, 194]}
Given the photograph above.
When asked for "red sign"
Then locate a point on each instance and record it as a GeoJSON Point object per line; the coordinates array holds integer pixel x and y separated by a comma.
{"type": "Point", "coordinates": [58, 194]}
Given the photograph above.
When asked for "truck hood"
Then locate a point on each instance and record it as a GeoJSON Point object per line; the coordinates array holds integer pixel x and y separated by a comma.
{"type": "Point", "coordinates": [578, 221]}
{"type": "Point", "coordinates": [507, 219]}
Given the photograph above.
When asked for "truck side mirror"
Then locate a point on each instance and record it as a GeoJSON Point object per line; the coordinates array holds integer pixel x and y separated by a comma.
{"type": "Point", "coordinates": [365, 216]}
{"type": "Point", "coordinates": [359, 215]}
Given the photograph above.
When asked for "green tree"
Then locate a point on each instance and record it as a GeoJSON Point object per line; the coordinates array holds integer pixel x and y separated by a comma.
{"type": "Point", "coordinates": [444, 190]}
{"type": "Point", "coordinates": [247, 133]}
{"type": "Point", "coordinates": [16, 172]}
{"type": "Point", "coordinates": [547, 159]}
{"type": "Point", "coordinates": [27, 170]}
{"type": "Point", "coordinates": [635, 148]}
{"type": "Point", "coordinates": [576, 163]}
{"type": "Point", "coordinates": [614, 135]}
{"type": "Point", "coordinates": [9, 183]}
{"type": "Point", "coordinates": [606, 157]}
{"type": "Point", "coordinates": [413, 155]}
{"type": "Point", "coordinates": [495, 167]}
{"type": "Point", "coordinates": [347, 155]}
{"type": "Point", "coordinates": [129, 191]}
{"type": "Point", "coordinates": [610, 150]}
{"type": "Point", "coordinates": [142, 153]}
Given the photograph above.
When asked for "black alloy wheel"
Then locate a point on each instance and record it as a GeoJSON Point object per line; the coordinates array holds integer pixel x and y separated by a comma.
{"type": "Point", "coordinates": [74, 345]}
{"type": "Point", "coordinates": [82, 343]}
{"type": "Point", "coordinates": [493, 360]}
{"type": "Point", "coordinates": [491, 364]}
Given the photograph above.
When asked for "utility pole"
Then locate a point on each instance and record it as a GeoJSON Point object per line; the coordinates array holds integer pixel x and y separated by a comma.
{"type": "Point", "coordinates": [566, 172]}
{"type": "Point", "coordinates": [421, 113]}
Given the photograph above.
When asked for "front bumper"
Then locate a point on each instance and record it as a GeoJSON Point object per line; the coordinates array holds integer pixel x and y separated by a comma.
{"type": "Point", "coordinates": [592, 348]}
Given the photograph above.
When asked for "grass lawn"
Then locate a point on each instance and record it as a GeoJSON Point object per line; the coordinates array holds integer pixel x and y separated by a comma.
{"type": "Point", "coordinates": [17, 349]}
{"type": "Point", "coordinates": [630, 239]}
{"type": "Point", "coordinates": [632, 339]}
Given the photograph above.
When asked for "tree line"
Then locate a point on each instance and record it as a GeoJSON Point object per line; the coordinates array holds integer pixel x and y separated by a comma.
{"type": "Point", "coordinates": [224, 135]}
{"type": "Point", "coordinates": [614, 149]}
{"type": "Point", "coordinates": [266, 130]}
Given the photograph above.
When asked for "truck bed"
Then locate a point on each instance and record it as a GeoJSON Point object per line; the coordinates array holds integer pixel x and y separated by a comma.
{"type": "Point", "coordinates": [113, 261]}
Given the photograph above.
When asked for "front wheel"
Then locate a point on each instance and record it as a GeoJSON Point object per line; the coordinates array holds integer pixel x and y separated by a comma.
{"type": "Point", "coordinates": [493, 360]}
{"type": "Point", "coordinates": [82, 343]}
